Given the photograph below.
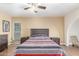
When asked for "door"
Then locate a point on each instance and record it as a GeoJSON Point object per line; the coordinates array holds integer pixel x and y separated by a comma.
{"type": "Point", "coordinates": [17, 31]}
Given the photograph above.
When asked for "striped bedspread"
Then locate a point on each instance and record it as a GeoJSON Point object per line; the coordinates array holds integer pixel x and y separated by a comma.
{"type": "Point", "coordinates": [39, 46]}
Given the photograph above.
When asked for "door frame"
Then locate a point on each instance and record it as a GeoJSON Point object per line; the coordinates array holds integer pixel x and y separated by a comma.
{"type": "Point", "coordinates": [14, 30]}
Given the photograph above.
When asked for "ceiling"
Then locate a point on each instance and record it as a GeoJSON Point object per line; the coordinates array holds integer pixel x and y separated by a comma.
{"type": "Point", "coordinates": [53, 9]}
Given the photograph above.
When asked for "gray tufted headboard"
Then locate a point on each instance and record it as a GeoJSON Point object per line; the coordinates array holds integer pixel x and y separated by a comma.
{"type": "Point", "coordinates": [39, 32]}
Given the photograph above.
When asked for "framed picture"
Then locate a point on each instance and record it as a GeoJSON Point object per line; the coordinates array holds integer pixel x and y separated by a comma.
{"type": "Point", "coordinates": [6, 26]}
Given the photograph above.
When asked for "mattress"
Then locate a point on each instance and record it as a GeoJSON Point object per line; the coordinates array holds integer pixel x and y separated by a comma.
{"type": "Point", "coordinates": [39, 46]}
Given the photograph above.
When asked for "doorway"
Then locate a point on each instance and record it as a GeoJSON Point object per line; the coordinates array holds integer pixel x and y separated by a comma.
{"type": "Point", "coordinates": [17, 31]}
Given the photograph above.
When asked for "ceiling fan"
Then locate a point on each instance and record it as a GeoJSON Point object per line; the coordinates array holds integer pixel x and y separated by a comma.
{"type": "Point", "coordinates": [34, 7]}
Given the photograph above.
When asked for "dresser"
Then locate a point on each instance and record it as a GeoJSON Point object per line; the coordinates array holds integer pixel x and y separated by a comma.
{"type": "Point", "coordinates": [3, 42]}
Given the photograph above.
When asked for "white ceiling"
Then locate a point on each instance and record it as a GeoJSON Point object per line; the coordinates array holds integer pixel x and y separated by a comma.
{"type": "Point", "coordinates": [53, 9]}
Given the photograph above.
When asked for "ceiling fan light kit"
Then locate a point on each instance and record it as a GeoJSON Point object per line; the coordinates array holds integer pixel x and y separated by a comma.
{"type": "Point", "coordinates": [34, 7]}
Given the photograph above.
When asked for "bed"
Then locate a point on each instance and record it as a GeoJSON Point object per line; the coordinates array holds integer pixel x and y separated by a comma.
{"type": "Point", "coordinates": [39, 45]}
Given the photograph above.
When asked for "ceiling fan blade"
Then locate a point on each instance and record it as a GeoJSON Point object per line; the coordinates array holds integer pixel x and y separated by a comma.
{"type": "Point", "coordinates": [42, 7]}
{"type": "Point", "coordinates": [26, 8]}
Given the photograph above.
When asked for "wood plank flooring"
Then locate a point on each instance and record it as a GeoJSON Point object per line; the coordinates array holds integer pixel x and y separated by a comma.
{"type": "Point", "coordinates": [70, 51]}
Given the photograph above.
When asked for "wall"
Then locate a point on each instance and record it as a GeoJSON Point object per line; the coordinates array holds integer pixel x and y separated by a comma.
{"type": "Point", "coordinates": [55, 25]}
{"type": "Point", "coordinates": [4, 16]}
{"type": "Point", "coordinates": [74, 29]}
{"type": "Point", "coordinates": [69, 21]}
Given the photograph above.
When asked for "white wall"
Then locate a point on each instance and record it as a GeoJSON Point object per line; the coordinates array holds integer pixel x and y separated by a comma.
{"type": "Point", "coordinates": [74, 29]}
{"type": "Point", "coordinates": [70, 28]}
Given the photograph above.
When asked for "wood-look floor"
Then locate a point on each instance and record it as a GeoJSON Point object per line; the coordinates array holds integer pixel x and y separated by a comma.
{"type": "Point", "coordinates": [70, 51]}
